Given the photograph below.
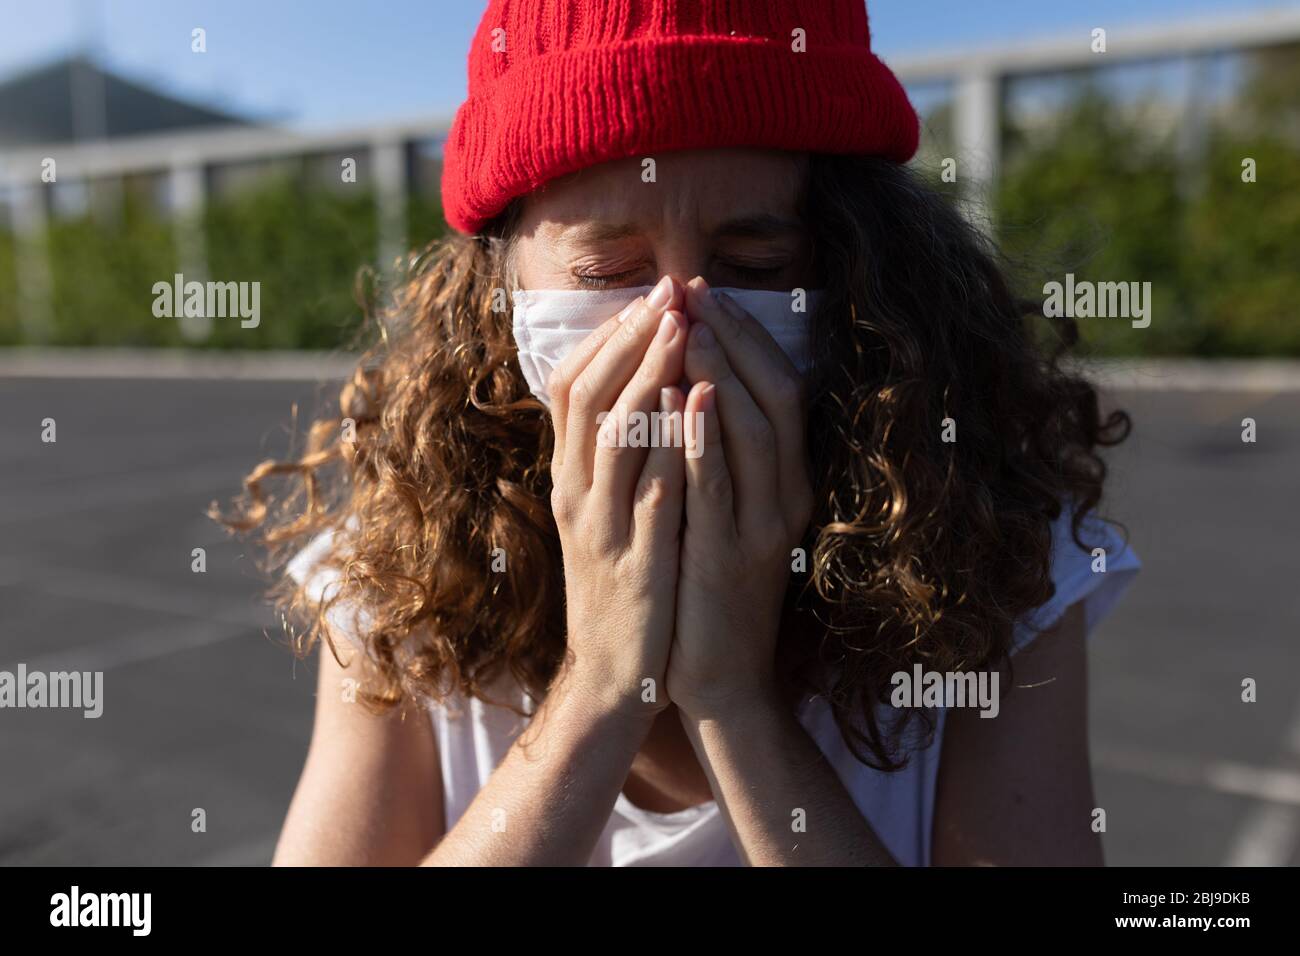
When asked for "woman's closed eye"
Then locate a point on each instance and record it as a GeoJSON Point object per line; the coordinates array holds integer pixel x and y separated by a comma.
{"type": "Point", "coordinates": [726, 273]}
{"type": "Point", "coordinates": [745, 273]}
{"type": "Point", "coordinates": [607, 280]}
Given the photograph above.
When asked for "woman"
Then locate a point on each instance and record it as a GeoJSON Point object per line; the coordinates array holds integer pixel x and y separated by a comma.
{"type": "Point", "coordinates": [545, 643]}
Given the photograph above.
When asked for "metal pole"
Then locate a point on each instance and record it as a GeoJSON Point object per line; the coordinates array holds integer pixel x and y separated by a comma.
{"type": "Point", "coordinates": [35, 283]}
{"type": "Point", "coordinates": [978, 136]}
{"type": "Point", "coordinates": [388, 160]}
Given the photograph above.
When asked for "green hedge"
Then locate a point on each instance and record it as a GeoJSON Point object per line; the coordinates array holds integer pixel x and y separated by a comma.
{"type": "Point", "coordinates": [102, 274]}
{"type": "Point", "coordinates": [1098, 198]}
{"type": "Point", "coordinates": [1243, 242]}
{"type": "Point", "coordinates": [1096, 195]}
{"type": "Point", "coordinates": [305, 246]}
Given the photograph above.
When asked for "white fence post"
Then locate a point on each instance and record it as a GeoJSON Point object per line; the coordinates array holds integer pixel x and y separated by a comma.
{"type": "Point", "coordinates": [977, 132]}
{"type": "Point", "coordinates": [187, 188]}
{"type": "Point", "coordinates": [35, 282]}
{"type": "Point", "coordinates": [388, 160]}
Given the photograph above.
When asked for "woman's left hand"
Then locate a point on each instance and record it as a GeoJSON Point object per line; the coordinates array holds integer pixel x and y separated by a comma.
{"type": "Point", "coordinates": [748, 503]}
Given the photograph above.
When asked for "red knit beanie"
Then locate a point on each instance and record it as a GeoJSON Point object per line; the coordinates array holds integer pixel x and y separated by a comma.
{"type": "Point", "coordinates": [558, 85]}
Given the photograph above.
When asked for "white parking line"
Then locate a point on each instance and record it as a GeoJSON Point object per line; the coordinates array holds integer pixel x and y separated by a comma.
{"type": "Point", "coordinates": [1266, 837]}
{"type": "Point", "coordinates": [1270, 833]}
{"type": "Point", "coordinates": [146, 646]}
{"type": "Point", "coordinates": [136, 593]}
{"type": "Point", "coordinates": [1281, 787]}
{"type": "Point", "coordinates": [1261, 783]}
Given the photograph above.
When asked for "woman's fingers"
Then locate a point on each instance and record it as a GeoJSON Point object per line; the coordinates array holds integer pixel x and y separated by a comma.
{"type": "Point", "coordinates": [747, 436]}
{"type": "Point", "coordinates": [709, 497]}
{"type": "Point", "coordinates": [633, 423]}
{"type": "Point", "coordinates": [657, 499]}
{"type": "Point", "coordinates": [562, 376]}
{"type": "Point", "coordinates": [730, 322]}
{"type": "Point", "coordinates": [766, 371]}
{"type": "Point", "coordinates": [597, 385]}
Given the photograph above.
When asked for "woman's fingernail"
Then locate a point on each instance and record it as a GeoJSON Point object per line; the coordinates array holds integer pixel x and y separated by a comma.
{"type": "Point", "coordinates": [667, 330]}
{"type": "Point", "coordinates": [704, 337]}
{"type": "Point", "coordinates": [630, 307]}
{"type": "Point", "coordinates": [662, 294]}
{"type": "Point", "coordinates": [730, 304]}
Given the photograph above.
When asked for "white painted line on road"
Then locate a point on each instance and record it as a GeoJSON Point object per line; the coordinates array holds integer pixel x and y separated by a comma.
{"type": "Point", "coordinates": [1276, 786]}
{"type": "Point", "coordinates": [136, 593]}
{"type": "Point", "coordinates": [1267, 837]}
{"type": "Point", "coordinates": [1269, 834]}
{"type": "Point", "coordinates": [151, 645]}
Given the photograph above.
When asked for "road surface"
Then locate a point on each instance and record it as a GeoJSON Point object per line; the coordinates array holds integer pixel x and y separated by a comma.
{"type": "Point", "coordinates": [205, 710]}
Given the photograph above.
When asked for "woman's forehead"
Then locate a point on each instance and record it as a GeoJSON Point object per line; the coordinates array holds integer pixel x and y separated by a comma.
{"type": "Point", "coordinates": [706, 190]}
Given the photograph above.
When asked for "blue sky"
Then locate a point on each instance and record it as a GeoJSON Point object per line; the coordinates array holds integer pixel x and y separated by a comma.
{"type": "Point", "coordinates": [322, 62]}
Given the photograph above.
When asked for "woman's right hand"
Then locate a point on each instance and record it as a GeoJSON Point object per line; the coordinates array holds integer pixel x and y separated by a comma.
{"type": "Point", "coordinates": [619, 509]}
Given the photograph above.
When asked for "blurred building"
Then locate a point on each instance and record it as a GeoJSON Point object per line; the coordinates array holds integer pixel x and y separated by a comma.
{"type": "Point", "coordinates": [74, 100]}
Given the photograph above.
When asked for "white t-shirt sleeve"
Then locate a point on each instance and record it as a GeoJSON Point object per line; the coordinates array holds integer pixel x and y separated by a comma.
{"type": "Point", "coordinates": [1077, 576]}
{"type": "Point", "coordinates": [317, 582]}
{"type": "Point", "coordinates": [321, 582]}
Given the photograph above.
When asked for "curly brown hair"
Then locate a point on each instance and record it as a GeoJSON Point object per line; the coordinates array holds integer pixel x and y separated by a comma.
{"type": "Point", "coordinates": [921, 550]}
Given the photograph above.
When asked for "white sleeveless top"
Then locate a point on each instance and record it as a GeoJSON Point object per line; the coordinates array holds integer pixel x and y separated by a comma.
{"type": "Point", "coordinates": [473, 737]}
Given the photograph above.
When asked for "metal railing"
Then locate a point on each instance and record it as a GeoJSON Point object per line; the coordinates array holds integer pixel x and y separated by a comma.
{"type": "Point", "coordinates": [977, 75]}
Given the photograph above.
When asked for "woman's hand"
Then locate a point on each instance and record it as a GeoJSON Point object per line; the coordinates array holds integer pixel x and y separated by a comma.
{"type": "Point", "coordinates": [619, 509]}
{"type": "Point", "coordinates": [748, 503]}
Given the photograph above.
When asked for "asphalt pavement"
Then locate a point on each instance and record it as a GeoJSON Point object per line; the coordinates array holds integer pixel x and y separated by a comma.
{"type": "Point", "coordinates": [205, 710]}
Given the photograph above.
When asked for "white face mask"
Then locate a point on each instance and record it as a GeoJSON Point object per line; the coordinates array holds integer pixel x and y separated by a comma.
{"type": "Point", "coordinates": [549, 323]}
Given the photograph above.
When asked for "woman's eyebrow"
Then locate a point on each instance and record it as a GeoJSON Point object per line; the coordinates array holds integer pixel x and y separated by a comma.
{"type": "Point", "coordinates": [756, 226]}
{"type": "Point", "coordinates": [589, 231]}
{"type": "Point", "coordinates": [759, 226]}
